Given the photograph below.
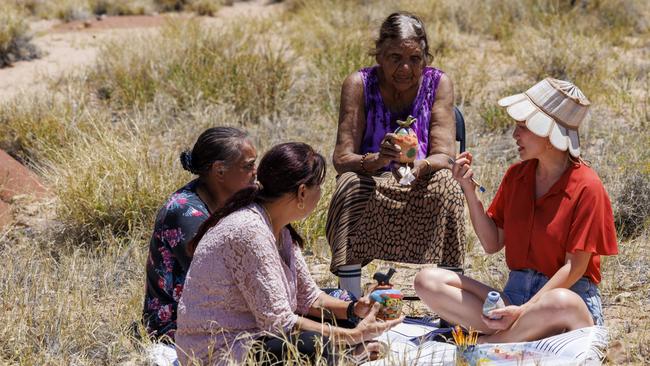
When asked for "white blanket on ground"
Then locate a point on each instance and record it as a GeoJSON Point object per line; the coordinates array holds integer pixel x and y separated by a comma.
{"type": "Point", "coordinates": [579, 347]}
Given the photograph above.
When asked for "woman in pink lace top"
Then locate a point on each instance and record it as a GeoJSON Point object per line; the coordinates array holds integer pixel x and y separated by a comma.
{"type": "Point", "coordinates": [248, 279]}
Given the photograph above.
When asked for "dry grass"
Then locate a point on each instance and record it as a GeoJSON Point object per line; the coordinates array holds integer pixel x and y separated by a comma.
{"type": "Point", "coordinates": [188, 64]}
{"type": "Point", "coordinates": [15, 38]}
{"type": "Point", "coordinates": [108, 144]}
{"type": "Point", "coordinates": [69, 10]}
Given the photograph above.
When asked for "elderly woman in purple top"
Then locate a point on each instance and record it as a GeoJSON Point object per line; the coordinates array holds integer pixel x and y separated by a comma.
{"type": "Point", "coordinates": [371, 215]}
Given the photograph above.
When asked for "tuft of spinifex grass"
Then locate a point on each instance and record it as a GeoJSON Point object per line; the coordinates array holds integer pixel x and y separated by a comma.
{"type": "Point", "coordinates": [15, 38]}
{"type": "Point", "coordinates": [191, 63]}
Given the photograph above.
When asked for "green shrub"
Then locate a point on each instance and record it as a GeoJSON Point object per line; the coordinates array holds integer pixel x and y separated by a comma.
{"type": "Point", "coordinates": [201, 7]}
{"type": "Point", "coordinates": [170, 5]}
{"type": "Point", "coordinates": [15, 39]}
{"type": "Point", "coordinates": [121, 7]}
{"type": "Point", "coordinates": [495, 118]}
{"type": "Point", "coordinates": [620, 16]}
{"type": "Point", "coordinates": [207, 7]}
{"type": "Point", "coordinates": [30, 126]}
{"type": "Point", "coordinates": [633, 205]}
{"type": "Point", "coordinates": [191, 63]}
{"type": "Point", "coordinates": [69, 10]}
{"type": "Point", "coordinates": [112, 180]}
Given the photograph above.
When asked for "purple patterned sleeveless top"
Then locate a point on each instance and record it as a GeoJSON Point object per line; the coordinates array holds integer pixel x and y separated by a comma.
{"type": "Point", "coordinates": [380, 120]}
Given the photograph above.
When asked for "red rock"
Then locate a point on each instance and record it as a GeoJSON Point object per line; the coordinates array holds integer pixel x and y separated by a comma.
{"type": "Point", "coordinates": [17, 179]}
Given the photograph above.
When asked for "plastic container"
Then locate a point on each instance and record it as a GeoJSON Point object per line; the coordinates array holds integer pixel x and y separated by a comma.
{"type": "Point", "coordinates": [407, 140]}
{"type": "Point", "coordinates": [391, 299]}
{"type": "Point", "coordinates": [493, 301]}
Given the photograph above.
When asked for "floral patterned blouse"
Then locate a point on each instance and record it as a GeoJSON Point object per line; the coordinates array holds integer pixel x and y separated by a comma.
{"type": "Point", "coordinates": [177, 222]}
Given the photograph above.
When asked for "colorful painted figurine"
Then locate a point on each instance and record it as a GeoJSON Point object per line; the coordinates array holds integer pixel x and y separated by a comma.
{"type": "Point", "coordinates": [385, 294]}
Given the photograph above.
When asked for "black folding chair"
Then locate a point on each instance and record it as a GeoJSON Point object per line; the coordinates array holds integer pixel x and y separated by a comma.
{"type": "Point", "coordinates": [460, 128]}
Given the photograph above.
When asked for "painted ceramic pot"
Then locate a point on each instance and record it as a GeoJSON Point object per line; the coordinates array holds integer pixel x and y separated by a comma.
{"type": "Point", "coordinates": [392, 301]}
{"type": "Point", "coordinates": [407, 140]}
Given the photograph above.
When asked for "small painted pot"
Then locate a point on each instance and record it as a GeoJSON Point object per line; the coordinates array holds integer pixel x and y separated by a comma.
{"type": "Point", "coordinates": [408, 142]}
{"type": "Point", "coordinates": [392, 301]}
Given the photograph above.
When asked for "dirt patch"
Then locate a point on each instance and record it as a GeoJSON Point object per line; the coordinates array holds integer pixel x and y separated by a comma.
{"type": "Point", "coordinates": [110, 22]}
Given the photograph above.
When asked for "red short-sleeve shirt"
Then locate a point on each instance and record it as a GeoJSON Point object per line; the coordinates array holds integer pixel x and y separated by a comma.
{"type": "Point", "coordinates": [574, 215]}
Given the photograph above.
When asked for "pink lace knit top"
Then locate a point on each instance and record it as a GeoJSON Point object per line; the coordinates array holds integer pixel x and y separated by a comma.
{"type": "Point", "coordinates": [240, 284]}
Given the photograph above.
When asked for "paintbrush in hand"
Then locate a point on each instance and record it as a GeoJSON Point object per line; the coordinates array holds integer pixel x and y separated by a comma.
{"type": "Point", "coordinates": [480, 187]}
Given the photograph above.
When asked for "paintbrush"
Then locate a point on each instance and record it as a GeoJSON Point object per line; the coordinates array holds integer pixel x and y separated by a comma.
{"type": "Point", "coordinates": [480, 187]}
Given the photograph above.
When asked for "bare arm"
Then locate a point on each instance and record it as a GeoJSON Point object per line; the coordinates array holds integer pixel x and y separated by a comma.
{"type": "Point", "coordinates": [489, 235]}
{"type": "Point", "coordinates": [339, 307]}
{"type": "Point", "coordinates": [442, 130]}
{"type": "Point", "coordinates": [352, 125]}
{"type": "Point", "coordinates": [367, 329]}
{"type": "Point", "coordinates": [575, 266]}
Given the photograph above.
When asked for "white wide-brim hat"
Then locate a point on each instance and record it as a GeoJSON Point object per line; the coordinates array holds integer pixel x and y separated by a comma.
{"type": "Point", "coordinates": [551, 108]}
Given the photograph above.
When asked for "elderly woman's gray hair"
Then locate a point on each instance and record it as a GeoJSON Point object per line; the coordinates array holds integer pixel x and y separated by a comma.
{"type": "Point", "coordinates": [403, 26]}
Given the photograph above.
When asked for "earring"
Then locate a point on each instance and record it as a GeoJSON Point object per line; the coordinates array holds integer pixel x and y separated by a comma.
{"type": "Point", "coordinates": [301, 205]}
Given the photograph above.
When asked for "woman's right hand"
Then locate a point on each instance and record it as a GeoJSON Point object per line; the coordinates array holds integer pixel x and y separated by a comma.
{"type": "Point", "coordinates": [507, 316]}
{"type": "Point", "coordinates": [388, 150]}
{"type": "Point", "coordinates": [371, 327]}
{"type": "Point", "coordinates": [462, 171]}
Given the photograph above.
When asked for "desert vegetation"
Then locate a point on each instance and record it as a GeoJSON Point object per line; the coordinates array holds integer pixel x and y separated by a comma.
{"type": "Point", "coordinates": [69, 10]}
{"type": "Point", "coordinates": [15, 37]}
{"type": "Point", "coordinates": [107, 142]}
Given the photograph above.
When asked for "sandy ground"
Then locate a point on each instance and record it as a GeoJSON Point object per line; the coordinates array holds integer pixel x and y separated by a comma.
{"type": "Point", "coordinates": [70, 47]}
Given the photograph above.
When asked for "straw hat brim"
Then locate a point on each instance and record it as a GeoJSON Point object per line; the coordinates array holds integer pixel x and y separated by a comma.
{"type": "Point", "coordinates": [521, 108]}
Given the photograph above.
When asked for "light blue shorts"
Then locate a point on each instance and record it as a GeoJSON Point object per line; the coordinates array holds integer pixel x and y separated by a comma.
{"type": "Point", "coordinates": [522, 285]}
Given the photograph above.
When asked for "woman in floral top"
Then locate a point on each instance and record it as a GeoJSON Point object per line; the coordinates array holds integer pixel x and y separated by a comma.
{"type": "Point", "coordinates": [224, 160]}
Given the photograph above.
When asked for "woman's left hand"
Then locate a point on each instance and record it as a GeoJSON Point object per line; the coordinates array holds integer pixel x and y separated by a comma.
{"type": "Point", "coordinates": [420, 168]}
{"type": "Point", "coordinates": [362, 307]}
{"type": "Point", "coordinates": [508, 315]}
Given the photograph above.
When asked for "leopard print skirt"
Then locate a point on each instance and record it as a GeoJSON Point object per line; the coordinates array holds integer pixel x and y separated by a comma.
{"type": "Point", "coordinates": [374, 217]}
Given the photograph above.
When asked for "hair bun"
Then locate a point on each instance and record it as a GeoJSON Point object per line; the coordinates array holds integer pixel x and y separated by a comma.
{"type": "Point", "coordinates": [186, 161]}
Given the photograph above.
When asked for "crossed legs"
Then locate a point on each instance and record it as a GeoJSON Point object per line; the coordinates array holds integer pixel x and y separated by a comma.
{"type": "Point", "coordinates": [459, 300]}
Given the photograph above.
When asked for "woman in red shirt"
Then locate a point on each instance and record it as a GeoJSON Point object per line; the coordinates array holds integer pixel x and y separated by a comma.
{"type": "Point", "coordinates": [554, 219]}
